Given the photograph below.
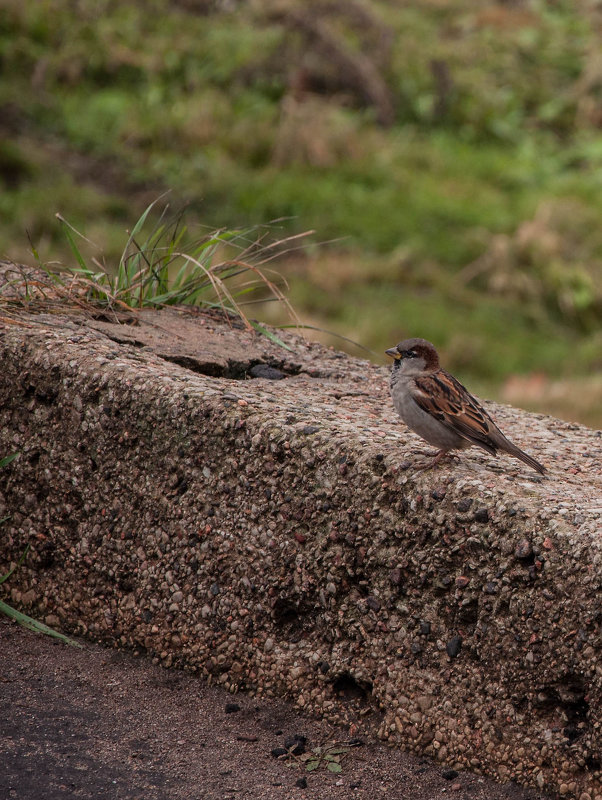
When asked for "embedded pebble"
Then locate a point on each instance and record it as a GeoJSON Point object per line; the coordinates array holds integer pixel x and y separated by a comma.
{"type": "Point", "coordinates": [524, 549]}
{"type": "Point", "coordinates": [454, 646]}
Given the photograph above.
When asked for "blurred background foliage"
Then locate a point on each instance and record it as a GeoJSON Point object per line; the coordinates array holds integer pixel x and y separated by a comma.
{"type": "Point", "coordinates": [447, 153]}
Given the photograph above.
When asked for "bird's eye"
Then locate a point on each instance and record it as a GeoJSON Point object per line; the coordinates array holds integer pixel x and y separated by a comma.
{"type": "Point", "coordinates": [410, 354]}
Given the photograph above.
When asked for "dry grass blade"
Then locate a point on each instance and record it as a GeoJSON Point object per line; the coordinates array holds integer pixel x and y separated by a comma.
{"type": "Point", "coordinates": [275, 290]}
{"type": "Point", "coordinates": [219, 286]}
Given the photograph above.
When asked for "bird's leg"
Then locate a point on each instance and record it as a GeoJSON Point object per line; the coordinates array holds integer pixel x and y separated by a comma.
{"type": "Point", "coordinates": [440, 454]}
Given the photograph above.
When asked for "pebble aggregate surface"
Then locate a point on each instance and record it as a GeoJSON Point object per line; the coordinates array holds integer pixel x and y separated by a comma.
{"type": "Point", "coordinates": [269, 534]}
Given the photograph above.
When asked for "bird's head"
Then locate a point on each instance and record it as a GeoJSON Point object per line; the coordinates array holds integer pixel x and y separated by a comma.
{"type": "Point", "coordinates": [413, 356]}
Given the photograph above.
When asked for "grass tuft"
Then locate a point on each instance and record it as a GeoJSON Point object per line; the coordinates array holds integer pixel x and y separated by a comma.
{"type": "Point", "coordinates": [162, 264]}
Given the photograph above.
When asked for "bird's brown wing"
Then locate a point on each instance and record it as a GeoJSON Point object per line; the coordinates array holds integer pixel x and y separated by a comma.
{"type": "Point", "coordinates": [445, 399]}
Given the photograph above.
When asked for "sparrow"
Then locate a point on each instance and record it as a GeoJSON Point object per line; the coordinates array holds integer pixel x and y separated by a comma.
{"type": "Point", "coordinates": [438, 408]}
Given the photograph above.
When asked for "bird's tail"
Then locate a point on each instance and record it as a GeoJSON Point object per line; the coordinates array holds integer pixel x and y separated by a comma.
{"type": "Point", "coordinates": [513, 450]}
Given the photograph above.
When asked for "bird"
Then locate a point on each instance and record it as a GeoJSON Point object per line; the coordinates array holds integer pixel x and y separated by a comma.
{"type": "Point", "coordinates": [437, 407]}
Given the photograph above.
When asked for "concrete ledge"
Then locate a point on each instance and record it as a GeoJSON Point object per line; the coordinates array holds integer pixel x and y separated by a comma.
{"type": "Point", "coordinates": [269, 535]}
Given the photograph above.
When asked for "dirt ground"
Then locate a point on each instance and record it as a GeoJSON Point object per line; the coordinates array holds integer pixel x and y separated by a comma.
{"type": "Point", "coordinates": [98, 723]}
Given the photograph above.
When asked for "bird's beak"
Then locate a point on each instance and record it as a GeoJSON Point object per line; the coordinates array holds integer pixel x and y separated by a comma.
{"type": "Point", "coordinates": [393, 352]}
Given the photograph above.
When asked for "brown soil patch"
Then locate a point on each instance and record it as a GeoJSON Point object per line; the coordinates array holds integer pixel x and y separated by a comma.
{"type": "Point", "coordinates": [96, 723]}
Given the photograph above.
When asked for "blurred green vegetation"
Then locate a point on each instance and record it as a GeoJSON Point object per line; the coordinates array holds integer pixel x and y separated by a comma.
{"type": "Point", "coordinates": [448, 151]}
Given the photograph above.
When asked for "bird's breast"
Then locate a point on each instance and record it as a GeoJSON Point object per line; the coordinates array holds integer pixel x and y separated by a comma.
{"type": "Point", "coordinates": [418, 420]}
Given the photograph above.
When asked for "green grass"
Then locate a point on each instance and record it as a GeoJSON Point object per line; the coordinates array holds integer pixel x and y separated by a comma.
{"type": "Point", "coordinates": [109, 104]}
